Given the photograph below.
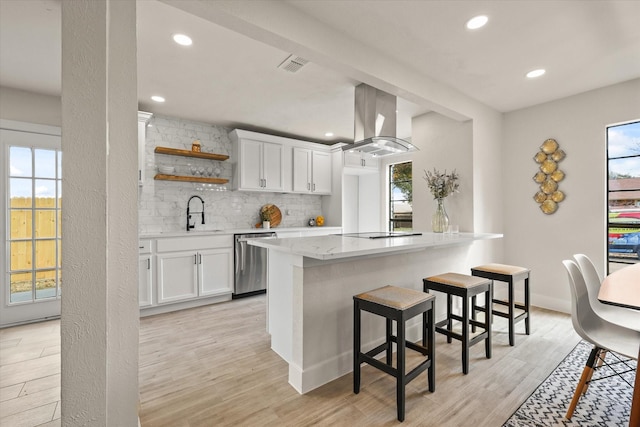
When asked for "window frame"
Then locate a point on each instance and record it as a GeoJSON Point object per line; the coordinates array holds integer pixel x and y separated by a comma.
{"type": "Point", "coordinates": [608, 218]}
{"type": "Point", "coordinates": [390, 199]}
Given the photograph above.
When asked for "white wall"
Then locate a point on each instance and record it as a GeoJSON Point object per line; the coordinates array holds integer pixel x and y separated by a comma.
{"type": "Point", "coordinates": [30, 107]}
{"type": "Point", "coordinates": [445, 144]}
{"type": "Point", "coordinates": [541, 241]}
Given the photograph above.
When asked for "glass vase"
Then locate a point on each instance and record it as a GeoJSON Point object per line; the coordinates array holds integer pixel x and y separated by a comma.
{"type": "Point", "coordinates": [440, 219]}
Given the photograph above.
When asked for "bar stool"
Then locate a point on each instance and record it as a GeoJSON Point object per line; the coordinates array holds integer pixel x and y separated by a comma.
{"type": "Point", "coordinates": [399, 304]}
{"type": "Point", "coordinates": [508, 274]}
{"type": "Point", "coordinates": [467, 287]}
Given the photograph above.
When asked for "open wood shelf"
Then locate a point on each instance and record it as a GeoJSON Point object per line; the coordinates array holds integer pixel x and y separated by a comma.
{"type": "Point", "coordinates": [187, 153]}
{"type": "Point", "coordinates": [162, 177]}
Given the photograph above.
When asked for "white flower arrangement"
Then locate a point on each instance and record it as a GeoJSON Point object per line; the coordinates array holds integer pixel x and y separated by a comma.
{"type": "Point", "coordinates": [441, 185]}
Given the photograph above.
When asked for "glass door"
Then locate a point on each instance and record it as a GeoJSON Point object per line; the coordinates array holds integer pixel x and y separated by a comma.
{"type": "Point", "coordinates": [32, 176]}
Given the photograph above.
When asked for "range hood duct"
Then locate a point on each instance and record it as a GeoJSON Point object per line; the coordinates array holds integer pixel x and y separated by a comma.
{"type": "Point", "coordinates": [375, 124]}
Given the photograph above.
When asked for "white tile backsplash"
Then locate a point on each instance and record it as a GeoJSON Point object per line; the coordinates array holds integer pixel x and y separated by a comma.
{"type": "Point", "coordinates": [162, 205]}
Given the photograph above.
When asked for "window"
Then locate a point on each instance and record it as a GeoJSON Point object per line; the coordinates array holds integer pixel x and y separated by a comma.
{"type": "Point", "coordinates": [400, 197]}
{"type": "Point", "coordinates": [34, 225]}
{"type": "Point", "coordinates": [623, 189]}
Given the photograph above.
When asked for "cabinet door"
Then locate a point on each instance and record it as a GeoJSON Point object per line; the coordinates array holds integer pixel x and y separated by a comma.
{"type": "Point", "coordinates": [251, 165]}
{"type": "Point", "coordinates": [369, 161]}
{"type": "Point", "coordinates": [352, 159]}
{"type": "Point", "coordinates": [215, 268]}
{"type": "Point", "coordinates": [321, 169]}
{"type": "Point", "coordinates": [145, 281]}
{"type": "Point", "coordinates": [272, 162]}
{"type": "Point", "coordinates": [177, 276]}
{"type": "Point", "coordinates": [301, 170]}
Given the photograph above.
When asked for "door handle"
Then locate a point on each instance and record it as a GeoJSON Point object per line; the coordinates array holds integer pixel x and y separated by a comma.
{"type": "Point", "coordinates": [148, 263]}
{"type": "Point", "coordinates": [195, 258]}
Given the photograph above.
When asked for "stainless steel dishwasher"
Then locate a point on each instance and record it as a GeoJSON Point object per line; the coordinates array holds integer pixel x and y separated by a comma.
{"type": "Point", "coordinates": [250, 265]}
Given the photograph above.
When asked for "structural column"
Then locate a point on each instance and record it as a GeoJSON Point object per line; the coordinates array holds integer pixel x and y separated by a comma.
{"type": "Point", "coordinates": [100, 316]}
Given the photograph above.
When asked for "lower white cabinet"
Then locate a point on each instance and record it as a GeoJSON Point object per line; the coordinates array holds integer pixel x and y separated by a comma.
{"type": "Point", "coordinates": [145, 280]}
{"type": "Point", "coordinates": [177, 276]}
{"type": "Point", "coordinates": [215, 272]}
{"type": "Point", "coordinates": [186, 268]}
{"type": "Point", "coordinates": [187, 275]}
{"type": "Point", "coordinates": [145, 273]}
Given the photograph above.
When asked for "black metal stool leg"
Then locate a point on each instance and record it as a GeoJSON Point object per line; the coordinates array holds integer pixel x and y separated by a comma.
{"type": "Point", "coordinates": [465, 335]}
{"type": "Point", "coordinates": [512, 332]}
{"type": "Point", "coordinates": [449, 320]}
{"type": "Point", "coordinates": [527, 306]}
{"type": "Point", "coordinates": [431, 339]}
{"type": "Point", "coordinates": [356, 347]}
{"type": "Point", "coordinates": [401, 379]}
{"type": "Point", "coordinates": [487, 321]}
{"type": "Point", "coordinates": [389, 342]}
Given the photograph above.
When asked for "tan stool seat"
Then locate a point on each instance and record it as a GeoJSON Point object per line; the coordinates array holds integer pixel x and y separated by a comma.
{"type": "Point", "coordinates": [460, 280]}
{"type": "Point", "coordinates": [511, 270]}
{"type": "Point", "coordinates": [394, 297]}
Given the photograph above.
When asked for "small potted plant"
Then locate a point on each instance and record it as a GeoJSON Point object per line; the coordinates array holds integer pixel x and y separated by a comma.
{"type": "Point", "coordinates": [266, 219]}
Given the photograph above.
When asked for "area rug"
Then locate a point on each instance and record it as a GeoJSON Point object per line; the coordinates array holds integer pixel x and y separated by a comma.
{"type": "Point", "coordinates": [607, 402]}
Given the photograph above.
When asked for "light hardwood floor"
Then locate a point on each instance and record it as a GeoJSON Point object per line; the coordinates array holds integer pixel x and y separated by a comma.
{"type": "Point", "coordinates": [212, 366]}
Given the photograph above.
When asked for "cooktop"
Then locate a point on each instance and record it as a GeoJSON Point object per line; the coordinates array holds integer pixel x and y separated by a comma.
{"type": "Point", "coordinates": [380, 234]}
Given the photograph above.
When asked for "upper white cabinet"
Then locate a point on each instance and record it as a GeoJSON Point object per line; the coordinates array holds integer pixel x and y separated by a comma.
{"type": "Point", "coordinates": [264, 162]}
{"type": "Point", "coordinates": [358, 163]}
{"type": "Point", "coordinates": [143, 119]}
{"type": "Point", "coordinates": [311, 171]}
{"type": "Point", "coordinates": [257, 164]}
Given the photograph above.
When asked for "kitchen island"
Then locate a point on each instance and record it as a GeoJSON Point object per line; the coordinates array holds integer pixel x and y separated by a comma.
{"type": "Point", "coordinates": [312, 281]}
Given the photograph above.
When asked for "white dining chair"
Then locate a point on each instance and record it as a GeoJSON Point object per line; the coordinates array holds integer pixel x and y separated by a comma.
{"type": "Point", "coordinates": [618, 315]}
{"type": "Point", "coordinates": [604, 335]}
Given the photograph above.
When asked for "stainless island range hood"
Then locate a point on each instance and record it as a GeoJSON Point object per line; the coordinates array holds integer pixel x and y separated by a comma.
{"type": "Point", "coordinates": [375, 124]}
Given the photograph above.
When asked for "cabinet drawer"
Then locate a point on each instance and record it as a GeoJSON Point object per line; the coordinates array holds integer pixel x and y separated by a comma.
{"type": "Point", "coordinates": [194, 243]}
{"type": "Point", "coordinates": [144, 246]}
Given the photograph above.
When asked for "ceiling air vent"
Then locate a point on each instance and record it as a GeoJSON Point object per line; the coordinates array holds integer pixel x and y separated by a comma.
{"type": "Point", "coordinates": [293, 63]}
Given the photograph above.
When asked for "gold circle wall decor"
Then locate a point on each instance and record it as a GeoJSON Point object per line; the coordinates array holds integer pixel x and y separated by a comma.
{"type": "Point", "coordinates": [548, 176]}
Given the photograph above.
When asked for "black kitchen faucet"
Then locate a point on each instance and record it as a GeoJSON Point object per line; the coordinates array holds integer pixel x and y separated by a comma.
{"type": "Point", "coordinates": [189, 226]}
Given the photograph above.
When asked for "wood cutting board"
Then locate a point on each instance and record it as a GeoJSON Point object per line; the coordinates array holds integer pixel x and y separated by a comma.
{"type": "Point", "coordinates": [276, 215]}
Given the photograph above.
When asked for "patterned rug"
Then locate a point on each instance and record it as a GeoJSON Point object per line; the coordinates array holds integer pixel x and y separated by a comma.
{"type": "Point", "coordinates": [607, 402]}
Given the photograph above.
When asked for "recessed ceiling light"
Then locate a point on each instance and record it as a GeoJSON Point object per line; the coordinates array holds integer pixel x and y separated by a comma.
{"type": "Point", "coordinates": [157, 98]}
{"type": "Point", "coordinates": [328, 134]}
{"type": "Point", "coordinates": [182, 39]}
{"type": "Point", "coordinates": [477, 22]}
{"type": "Point", "coordinates": [536, 73]}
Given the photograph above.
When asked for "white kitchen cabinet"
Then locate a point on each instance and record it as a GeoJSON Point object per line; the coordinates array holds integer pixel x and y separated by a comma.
{"type": "Point", "coordinates": [215, 272]}
{"type": "Point", "coordinates": [258, 165]}
{"type": "Point", "coordinates": [311, 171]}
{"type": "Point", "coordinates": [145, 274]}
{"type": "Point", "coordinates": [194, 267]}
{"type": "Point", "coordinates": [358, 163]}
{"type": "Point", "coordinates": [177, 276]}
{"type": "Point", "coordinates": [143, 119]}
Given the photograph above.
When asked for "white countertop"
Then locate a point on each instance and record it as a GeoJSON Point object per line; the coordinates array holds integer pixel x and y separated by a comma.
{"type": "Point", "coordinates": [235, 231]}
{"type": "Point", "coordinates": [337, 247]}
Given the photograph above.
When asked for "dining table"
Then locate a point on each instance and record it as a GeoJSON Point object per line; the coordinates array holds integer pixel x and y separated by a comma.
{"type": "Point", "coordinates": [622, 288]}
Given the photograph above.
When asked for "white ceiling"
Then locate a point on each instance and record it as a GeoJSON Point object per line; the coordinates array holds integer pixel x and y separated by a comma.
{"type": "Point", "coordinates": [229, 79]}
